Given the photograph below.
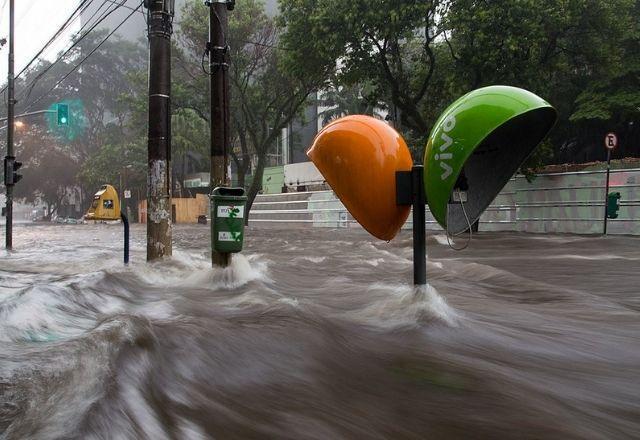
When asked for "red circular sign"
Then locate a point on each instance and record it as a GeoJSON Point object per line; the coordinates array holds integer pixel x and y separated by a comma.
{"type": "Point", "coordinates": [611, 141]}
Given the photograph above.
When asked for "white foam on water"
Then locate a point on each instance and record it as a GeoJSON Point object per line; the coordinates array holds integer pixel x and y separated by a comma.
{"type": "Point", "coordinates": [375, 262]}
{"type": "Point", "coordinates": [241, 271]}
{"type": "Point", "coordinates": [58, 310]}
{"type": "Point", "coordinates": [189, 270]}
{"type": "Point", "coordinates": [311, 259]}
{"type": "Point", "coordinates": [368, 246]}
{"type": "Point", "coordinates": [246, 299]}
{"type": "Point", "coordinates": [587, 257]}
{"type": "Point", "coordinates": [395, 306]}
{"type": "Point", "coordinates": [293, 302]}
{"type": "Point", "coordinates": [41, 314]}
{"type": "Point", "coordinates": [441, 239]}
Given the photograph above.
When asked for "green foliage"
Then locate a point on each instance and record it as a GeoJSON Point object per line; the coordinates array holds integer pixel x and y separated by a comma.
{"type": "Point", "coordinates": [189, 133]}
{"type": "Point", "coordinates": [108, 165]}
{"type": "Point", "coordinates": [405, 57]}
{"type": "Point", "coordinates": [389, 44]}
{"type": "Point", "coordinates": [265, 96]}
{"type": "Point", "coordinates": [62, 159]}
{"type": "Point", "coordinates": [48, 167]}
{"type": "Point", "coordinates": [338, 101]}
{"type": "Point", "coordinates": [581, 55]}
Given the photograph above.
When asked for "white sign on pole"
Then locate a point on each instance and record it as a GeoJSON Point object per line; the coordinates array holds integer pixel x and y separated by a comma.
{"type": "Point", "coordinates": [611, 141]}
{"type": "Point", "coordinates": [228, 236]}
{"type": "Point", "coordinates": [231, 211]}
{"type": "Point", "coordinates": [127, 193]}
{"type": "Point", "coordinates": [343, 220]}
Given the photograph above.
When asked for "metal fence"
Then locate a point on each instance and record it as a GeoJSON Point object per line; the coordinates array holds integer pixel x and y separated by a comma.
{"type": "Point", "coordinates": [572, 202]}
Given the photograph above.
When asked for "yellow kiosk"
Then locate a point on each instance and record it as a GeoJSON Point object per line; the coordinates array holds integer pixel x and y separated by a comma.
{"type": "Point", "coordinates": [105, 206]}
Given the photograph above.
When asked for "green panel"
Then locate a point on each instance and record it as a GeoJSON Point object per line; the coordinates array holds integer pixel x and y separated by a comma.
{"type": "Point", "coordinates": [273, 180]}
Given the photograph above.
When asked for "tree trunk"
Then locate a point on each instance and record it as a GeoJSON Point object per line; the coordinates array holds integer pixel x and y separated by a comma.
{"type": "Point", "coordinates": [241, 175]}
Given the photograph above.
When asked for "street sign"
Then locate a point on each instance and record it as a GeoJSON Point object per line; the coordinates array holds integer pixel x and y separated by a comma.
{"type": "Point", "coordinates": [611, 141]}
{"type": "Point", "coordinates": [127, 193]}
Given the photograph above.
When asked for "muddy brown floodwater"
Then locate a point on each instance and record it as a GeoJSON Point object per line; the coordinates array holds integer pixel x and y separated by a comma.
{"type": "Point", "coordinates": [317, 334]}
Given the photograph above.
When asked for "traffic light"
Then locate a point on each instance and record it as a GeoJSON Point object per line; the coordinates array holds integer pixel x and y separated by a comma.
{"type": "Point", "coordinates": [11, 167]}
{"type": "Point", "coordinates": [16, 166]}
{"type": "Point", "coordinates": [63, 114]}
{"type": "Point", "coordinates": [613, 204]}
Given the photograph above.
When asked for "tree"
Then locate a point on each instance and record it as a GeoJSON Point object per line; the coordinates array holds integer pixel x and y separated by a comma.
{"type": "Point", "coordinates": [577, 54]}
{"type": "Point", "coordinates": [580, 55]}
{"type": "Point", "coordinates": [387, 43]}
{"type": "Point", "coordinates": [340, 101]}
{"type": "Point", "coordinates": [49, 168]}
{"type": "Point", "coordinates": [97, 114]}
{"type": "Point", "coordinates": [265, 97]}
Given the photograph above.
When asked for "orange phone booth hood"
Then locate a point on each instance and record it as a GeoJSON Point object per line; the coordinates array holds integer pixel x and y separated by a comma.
{"type": "Point", "coordinates": [359, 156]}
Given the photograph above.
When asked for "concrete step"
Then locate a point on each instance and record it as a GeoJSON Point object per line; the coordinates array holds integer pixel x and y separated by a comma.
{"type": "Point", "coordinates": [285, 197]}
{"type": "Point", "coordinates": [283, 205]}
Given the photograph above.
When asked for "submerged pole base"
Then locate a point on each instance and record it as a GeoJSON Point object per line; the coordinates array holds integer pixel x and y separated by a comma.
{"type": "Point", "coordinates": [220, 259]}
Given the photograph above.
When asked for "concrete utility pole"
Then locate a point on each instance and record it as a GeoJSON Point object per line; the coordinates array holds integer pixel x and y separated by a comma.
{"type": "Point", "coordinates": [218, 50]}
{"type": "Point", "coordinates": [159, 18]}
{"type": "Point", "coordinates": [9, 160]}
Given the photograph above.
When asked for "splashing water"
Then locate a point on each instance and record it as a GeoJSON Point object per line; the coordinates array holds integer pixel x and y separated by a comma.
{"type": "Point", "coordinates": [316, 334]}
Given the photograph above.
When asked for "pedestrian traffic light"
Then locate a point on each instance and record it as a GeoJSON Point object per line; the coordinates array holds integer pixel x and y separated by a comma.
{"type": "Point", "coordinates": [613, 204]}
{"type": "Point", "coordinates": [11, 167]}
{"type": "Point", "coordinates": [63, 114]}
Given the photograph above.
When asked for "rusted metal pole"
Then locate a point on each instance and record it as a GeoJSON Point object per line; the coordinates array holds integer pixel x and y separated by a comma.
{"type": "Point", "coordinates": [219, 88]}
{"type": "Point", "coordinates": [10, 158]}
{"type": "Point", "coordinates": [160, 18]}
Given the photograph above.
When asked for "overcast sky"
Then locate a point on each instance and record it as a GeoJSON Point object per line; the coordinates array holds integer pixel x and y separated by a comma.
{"type": "Point", "coordinates": [35, 21]}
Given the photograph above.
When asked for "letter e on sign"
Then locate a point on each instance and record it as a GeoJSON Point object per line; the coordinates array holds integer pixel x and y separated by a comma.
{"type": "Point", "coordinates": [611, 141]}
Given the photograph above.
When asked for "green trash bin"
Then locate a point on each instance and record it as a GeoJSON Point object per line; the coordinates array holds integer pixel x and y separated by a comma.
{"type": "Point", "coordinates": [227, 219]}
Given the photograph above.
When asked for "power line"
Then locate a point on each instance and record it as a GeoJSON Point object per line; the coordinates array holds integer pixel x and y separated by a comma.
{"type": "Point", "coordinates": [125, 6]}
{"type": "Point", "coordinates": [177, 23]}
{"type": "Point", "coordinates": [32, 84]}
{"type": "Point", "coordinates": [83, 60]}
{"type": "Point", "coordinates": [66, 24]}
{"type": "Point", "coordinates": [93, 15]}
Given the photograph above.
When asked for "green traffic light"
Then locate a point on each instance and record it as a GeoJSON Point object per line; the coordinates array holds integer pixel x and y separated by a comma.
{"type": "Point", "coordinates": [63, 114]}
{"type": "Point", "coordinates": [67, 119]}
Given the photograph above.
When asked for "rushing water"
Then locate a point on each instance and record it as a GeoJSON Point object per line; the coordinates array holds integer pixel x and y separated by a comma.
{"type": "Point", "coordinates": [316, 334]}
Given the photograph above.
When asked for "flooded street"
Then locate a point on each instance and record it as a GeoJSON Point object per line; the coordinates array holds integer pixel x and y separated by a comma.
{"type": "Point", "coordinates": [317, 334]}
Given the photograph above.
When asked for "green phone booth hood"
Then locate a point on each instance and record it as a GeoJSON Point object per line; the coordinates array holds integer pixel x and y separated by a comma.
{"type": "Point", "coordinates": [476, 146]}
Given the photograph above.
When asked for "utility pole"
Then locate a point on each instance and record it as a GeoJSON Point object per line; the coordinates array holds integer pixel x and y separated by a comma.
{"type": "Point", "coordinates": [160, 27]}
{"type": "Point", "coordinates": [218, 50]}
{"type": "Point", "coordinates": [9, 160]}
